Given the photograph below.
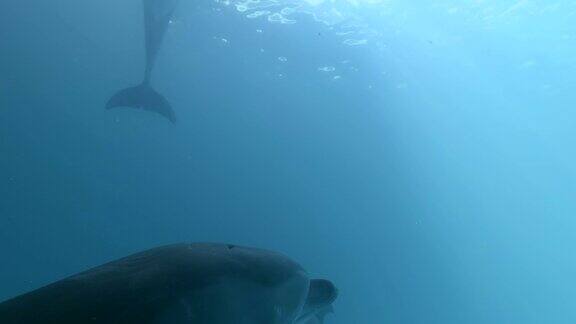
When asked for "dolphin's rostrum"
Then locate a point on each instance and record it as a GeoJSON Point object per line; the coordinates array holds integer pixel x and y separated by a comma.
{"type": "Point", "coordinates": [157, 15]}
{"type": "Point", "coordinates": [201, 283]}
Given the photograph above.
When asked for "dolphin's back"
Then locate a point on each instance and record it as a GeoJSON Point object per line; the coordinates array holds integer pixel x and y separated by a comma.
{"type": "Point", "coordinates": [106, 294]}
{"type": "Point", "coordinates": [138, 288]}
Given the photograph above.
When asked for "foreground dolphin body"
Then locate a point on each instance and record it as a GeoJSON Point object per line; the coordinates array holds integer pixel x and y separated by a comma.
{"type": "Point", "coordinates": [157, 15]}
{"type": "Point", "coordinates": [200, 283]}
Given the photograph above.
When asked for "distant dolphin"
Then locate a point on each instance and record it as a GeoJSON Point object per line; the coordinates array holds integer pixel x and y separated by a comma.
{"type": "Point", "coordinates": [157, 15]}
{"type": "Point", "coordinates": [200, 283]}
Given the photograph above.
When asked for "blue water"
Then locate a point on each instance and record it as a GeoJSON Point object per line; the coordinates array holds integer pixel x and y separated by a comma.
{"type": "Point", "coordinates": [420, 155]}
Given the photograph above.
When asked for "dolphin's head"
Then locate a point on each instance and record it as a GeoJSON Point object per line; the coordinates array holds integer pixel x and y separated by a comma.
{"type": "Point", "coordinates": [237, 301]}
{"type": "Point", "coordinates": [244, 286]}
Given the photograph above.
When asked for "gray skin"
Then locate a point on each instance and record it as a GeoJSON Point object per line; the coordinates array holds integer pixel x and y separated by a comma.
{"type": "Point", "coordinates": [200, 283]}
{"type": "Point", "coordinates": [157, 15]}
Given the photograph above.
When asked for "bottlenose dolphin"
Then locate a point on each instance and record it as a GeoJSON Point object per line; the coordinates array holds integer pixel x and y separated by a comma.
{"type": "Point", "coordinates": [201, 283]}
{"type": "Point", "coordinates": [157, 15]}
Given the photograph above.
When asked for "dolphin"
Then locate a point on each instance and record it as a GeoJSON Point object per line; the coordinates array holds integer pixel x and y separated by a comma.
{"type": "Point", "coordinates": [199, 283]}
{"type": "Point", "coordinates": [157, 15]}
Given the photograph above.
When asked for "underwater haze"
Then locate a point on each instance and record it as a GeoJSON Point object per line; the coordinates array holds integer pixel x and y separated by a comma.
{"type": "Point", "coordinates": [419, 154]}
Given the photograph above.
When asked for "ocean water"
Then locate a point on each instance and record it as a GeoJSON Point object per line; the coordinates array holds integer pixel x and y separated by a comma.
{"type": "Point", "coordinates": [420, 154]}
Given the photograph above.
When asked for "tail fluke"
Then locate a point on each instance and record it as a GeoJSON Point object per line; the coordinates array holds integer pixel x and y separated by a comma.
{"type": "Point", "coordinates": [142, 97]}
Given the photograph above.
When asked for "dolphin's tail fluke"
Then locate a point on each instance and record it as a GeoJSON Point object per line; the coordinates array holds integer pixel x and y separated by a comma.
{"type": "Point", "coordinates": [142, 97]}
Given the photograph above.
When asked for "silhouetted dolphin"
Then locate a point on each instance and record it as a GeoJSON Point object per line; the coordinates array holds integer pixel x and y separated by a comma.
{"type": "Point", "coordinates": [200, 283]}
{"type": "Point", "coordinates": [157, 14]}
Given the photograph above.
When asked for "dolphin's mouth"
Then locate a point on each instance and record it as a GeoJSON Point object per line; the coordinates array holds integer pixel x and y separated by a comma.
{"type": "Point", "coordinates": [322, 293]}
